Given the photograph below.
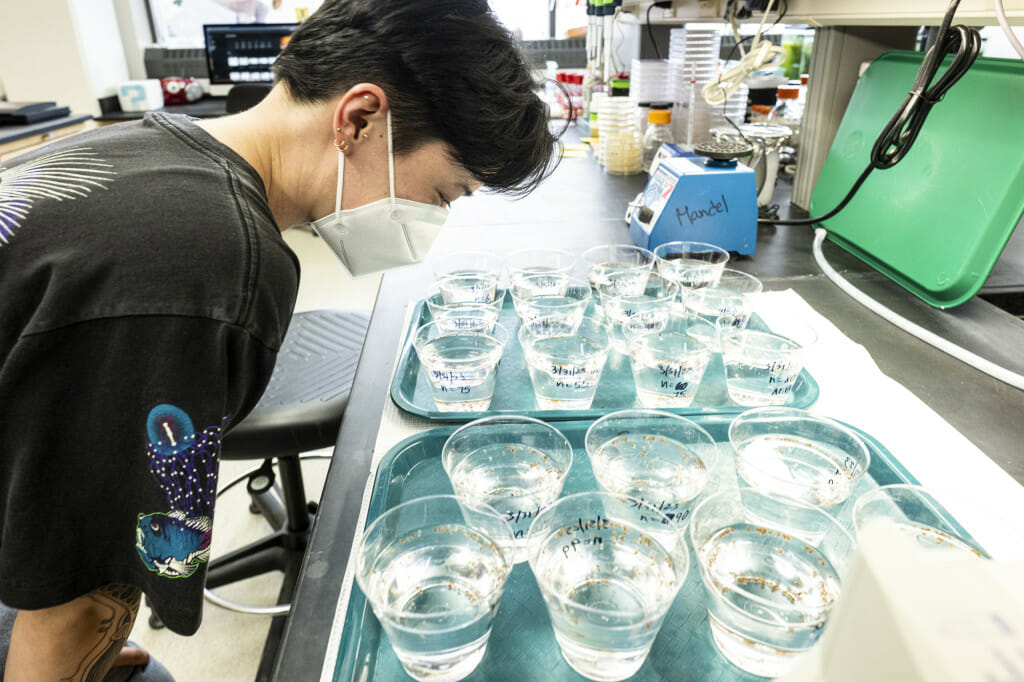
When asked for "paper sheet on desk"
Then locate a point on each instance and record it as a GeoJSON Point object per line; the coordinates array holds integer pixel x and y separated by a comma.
{"type": "Point", "coordinates": [854, 390]}
{"type": "Point", "coordinates": [913, 614]}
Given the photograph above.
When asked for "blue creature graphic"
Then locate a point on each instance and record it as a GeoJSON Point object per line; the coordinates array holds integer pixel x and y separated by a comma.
{"type": "Point", "coordinates": [184, 464]}
{"type": "Point", "coordinates": [173, 545]}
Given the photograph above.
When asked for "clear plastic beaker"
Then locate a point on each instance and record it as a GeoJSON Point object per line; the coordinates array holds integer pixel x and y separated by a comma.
{"type": "Point", "coordinates": [641, 308]}
{"type": "Point", "coordinates": [762, 367]}
{"type": "Point", "coordinates": [668, 365]}
{"type": "Point", "coordinates": [769, 592]}
{"type": "Point", "coordinates": [551, 304]}
{"type": "Point", "coordinates": [608, 567]}
{"type": "Point", "coordinates": [565, 369]}
{"type": "Point", "coordinates": [433, 570]}
{"type": "Point", "coordinates": [788, 453]}
{"type": "Point", "coordinates": [662, 459]}
{"type": "Point", "coordinates": [517, 465]}
{"type": "Point", "coordinates": [461, 365]}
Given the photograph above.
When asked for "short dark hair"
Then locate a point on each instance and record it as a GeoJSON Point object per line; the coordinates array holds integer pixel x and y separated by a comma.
{"type": "Point", "coordinates": [450, 70]}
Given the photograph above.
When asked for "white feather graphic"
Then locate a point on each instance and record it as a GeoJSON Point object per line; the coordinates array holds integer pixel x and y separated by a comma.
{"type": "Point", "coordinates": [66, 174]}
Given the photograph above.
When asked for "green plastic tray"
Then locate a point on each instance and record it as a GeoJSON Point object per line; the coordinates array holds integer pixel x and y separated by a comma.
{"type": "Point", "coordinates": [937, 221]}
{"type": "Point", "coordinates": [513, 393]}
{"type": "Point", "coordinates": [522, 645]}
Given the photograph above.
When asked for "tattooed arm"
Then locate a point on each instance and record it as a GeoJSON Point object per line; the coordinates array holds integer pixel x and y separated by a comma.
{"type": "Point", "coordinates": [74, 642]}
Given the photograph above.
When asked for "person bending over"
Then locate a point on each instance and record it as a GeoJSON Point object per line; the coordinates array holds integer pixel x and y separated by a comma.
{"type": "Point", "coordinates": [147, 288]}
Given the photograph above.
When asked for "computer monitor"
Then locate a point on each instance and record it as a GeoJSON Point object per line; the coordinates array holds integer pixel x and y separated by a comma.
{"type": "Point", "coordinates": [243, 53]}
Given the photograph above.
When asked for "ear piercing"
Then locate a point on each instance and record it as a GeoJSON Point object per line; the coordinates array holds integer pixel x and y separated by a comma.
{"type": "Point", "coordinates": [343, 145]}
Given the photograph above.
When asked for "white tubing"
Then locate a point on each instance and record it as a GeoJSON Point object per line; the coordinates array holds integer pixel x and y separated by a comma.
{"type": "Point", "coordinates": [762, 53]}
{"type": "Point", "coordinates": [958, 352]}
{"type": "Point", "coordinates": [1007, 31]}
{"type": "Point", "coordinates": [278, 610]}
{"type": "Point", "coordinates": [281, 610]}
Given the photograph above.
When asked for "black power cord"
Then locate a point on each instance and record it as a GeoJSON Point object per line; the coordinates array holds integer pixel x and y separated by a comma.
{"type": "Point", "coordinates": [662, 4]}
{"type": "Point", "coordinates": [902, 130]}
{"type": "Point", "coordinates": [782, 13]}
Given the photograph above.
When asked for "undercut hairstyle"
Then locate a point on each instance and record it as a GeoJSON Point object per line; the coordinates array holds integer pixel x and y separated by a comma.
{"type": "Point", "coordinates": [451, 72]}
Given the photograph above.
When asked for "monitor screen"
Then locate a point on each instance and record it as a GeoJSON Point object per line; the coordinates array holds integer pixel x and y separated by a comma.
{"type": "Point", "coordinates": [243, 53]}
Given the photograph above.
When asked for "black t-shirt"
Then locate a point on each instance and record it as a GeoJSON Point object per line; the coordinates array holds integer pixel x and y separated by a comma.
{"type": "Point", "coordinates": [144, 292]}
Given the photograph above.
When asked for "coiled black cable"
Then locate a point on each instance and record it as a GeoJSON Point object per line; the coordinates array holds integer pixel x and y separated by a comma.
{"type": "Point", "coordinates": [650, 33]}
{"type": "Point", "coordinates": [663, 4]}
{"type": "Point", "coordinates": [899, 134]}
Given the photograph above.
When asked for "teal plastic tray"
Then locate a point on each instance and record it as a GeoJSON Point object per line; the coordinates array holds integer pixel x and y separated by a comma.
{"type": "Point", "coordinates": [522, 646]}
{"type": "Point", "coordinates": [513, 393]}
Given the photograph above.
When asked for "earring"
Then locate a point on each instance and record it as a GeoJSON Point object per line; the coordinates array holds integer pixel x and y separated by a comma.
{"type": "Point", "coordinates": [340, 148]}
{"type": "Point", "coordinates": [366, 136]}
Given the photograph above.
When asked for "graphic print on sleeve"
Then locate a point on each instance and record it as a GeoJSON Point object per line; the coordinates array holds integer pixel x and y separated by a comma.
{"type": "Point", "coordinates": [60, 175]}
{"type": "Point", "coordinates": [184, 464]}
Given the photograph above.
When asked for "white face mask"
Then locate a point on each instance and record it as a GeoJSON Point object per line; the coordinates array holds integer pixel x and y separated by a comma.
{"type": "Point", "coordinates": [381, 235]}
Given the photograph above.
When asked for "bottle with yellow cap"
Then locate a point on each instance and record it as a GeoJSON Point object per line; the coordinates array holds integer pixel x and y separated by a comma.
{"type": "Point", "coordinates": [659, 130]}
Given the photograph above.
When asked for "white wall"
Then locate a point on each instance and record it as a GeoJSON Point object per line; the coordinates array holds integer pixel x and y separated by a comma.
{"type": "Point", "coordinates": [997, 44]}
{"type": "Point", "coordinates": [67, 51]}
{"type": "Point", "coordinates": [135, 34]}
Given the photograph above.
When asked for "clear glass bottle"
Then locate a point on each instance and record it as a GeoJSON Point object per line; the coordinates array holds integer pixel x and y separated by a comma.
{"type": "Point", "coordinates": [659, 130]}
{"type": "Point", "coordinates": [788, 111]}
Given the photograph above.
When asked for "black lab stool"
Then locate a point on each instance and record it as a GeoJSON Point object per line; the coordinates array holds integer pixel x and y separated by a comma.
{"type": "Point", "coordinates": [301, 410]}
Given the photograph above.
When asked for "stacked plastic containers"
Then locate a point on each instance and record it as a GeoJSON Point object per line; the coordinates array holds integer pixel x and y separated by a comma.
{"type": "Point", "coordinates": [735, 109]}
{"type": "Point", "coordinates": [620, 150]}
{"type": "Point", "coordinates": [693, 58]}
{"type": "Point", "coordinates": [650, 81]}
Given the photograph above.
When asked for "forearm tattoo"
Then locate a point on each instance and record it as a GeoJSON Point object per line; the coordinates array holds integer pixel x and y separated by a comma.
{"type": "Point", "coordinates": [120, 604]}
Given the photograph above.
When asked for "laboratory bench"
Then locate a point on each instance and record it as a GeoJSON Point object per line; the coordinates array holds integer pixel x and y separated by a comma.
{"type": "Point", "coordinates": [207, 107]}
{"type": "Point", "coordinates": [581, 206]}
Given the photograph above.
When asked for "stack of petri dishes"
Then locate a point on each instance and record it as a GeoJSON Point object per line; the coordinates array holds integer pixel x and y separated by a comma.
{"type": "Point", "coordinates": [734, 109]}
{"type": "Point", "coordinates": [650, 84]}
{"type": "Point", "coordinates": [620, 149]}
{"type": "Point", "coordinates": [693, 57]}
{"type": "Point", "coordinates": [649, 80]}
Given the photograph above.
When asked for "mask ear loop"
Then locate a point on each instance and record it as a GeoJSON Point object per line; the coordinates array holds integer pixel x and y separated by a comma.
{"type": "Point", "coordinates": [341, 176]}
{"type": "Point", "coordinates": [391, 169]}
